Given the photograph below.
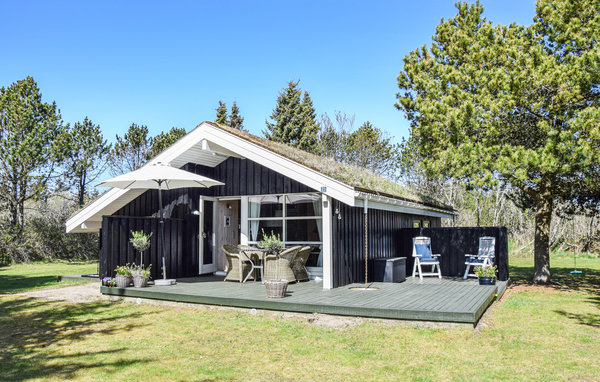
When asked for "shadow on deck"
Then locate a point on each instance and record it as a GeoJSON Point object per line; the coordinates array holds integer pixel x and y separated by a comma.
{"type": "Point", "coordinates": [445, 300]}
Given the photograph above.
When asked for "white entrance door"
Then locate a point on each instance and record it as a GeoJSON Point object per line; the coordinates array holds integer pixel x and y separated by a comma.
{"type": "Point", "coordinates": [208, 263]}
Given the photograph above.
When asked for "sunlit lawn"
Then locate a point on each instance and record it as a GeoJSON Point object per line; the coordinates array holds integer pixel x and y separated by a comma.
{"type": "Point", "coordinates": [20, 277]}
{"type": "Point", "coordinates": [538, 334]}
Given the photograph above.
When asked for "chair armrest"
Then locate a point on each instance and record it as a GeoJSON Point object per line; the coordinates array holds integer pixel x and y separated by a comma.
{"type": "Point", "coordinates": [416, 255]}
{"type": "Point", "coordinates": [436, 255]}
{"type": "Point", "coordinates": [469, 255]}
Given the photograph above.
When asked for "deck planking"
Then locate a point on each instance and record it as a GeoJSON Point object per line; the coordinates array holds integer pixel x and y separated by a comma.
{"type": "Point", "coordinates": [432, 299]}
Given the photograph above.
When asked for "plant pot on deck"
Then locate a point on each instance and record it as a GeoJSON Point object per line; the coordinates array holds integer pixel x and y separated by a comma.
{"type": "Point", "coordinates": [122, 281]}
{"type": "Point", "coordinates": [140, 281]}
{"type": "Point", "coordinates": [276, 288]}
{"type": "Point", "coordinates": [487, 281]}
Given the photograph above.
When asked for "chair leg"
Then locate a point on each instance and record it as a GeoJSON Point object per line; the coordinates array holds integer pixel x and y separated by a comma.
{"type": "Point", "coordinates": [414, 268]}
{"type": "Point", "coordinates": [420, 271]}
{"type": "Point", "coordinates": [439, 271]}
{"type": "Point", "coordinates": [467, 272]}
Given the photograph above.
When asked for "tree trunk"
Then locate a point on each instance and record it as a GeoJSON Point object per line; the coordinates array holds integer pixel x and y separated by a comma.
{"type": "Point", "coordinates": [541, 251]}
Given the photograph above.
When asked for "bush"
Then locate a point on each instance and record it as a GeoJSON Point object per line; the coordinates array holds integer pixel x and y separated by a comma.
{"type": "Point", "coordinates": [44, 236]}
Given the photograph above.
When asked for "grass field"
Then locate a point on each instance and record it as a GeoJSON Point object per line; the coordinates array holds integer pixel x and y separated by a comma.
{"type": "Point", "coordinates": [534, 333]}
{"type": "Point", "coordinates": [21, 277]}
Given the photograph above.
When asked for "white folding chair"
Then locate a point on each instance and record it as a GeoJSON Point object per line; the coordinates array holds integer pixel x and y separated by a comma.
{"type": "Point", "coordinates": [423, 256]}
{"type": "Point", "coordinates": [485, 255]}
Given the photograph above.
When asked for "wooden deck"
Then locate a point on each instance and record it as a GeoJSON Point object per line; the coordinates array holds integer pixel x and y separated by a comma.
{"type": "Point", "coordinates": [447, 300]}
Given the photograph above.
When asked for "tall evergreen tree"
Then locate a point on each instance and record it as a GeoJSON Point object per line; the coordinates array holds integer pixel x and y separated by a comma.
{"type": "Point", "coordinates": [235, 119]}
{"type": "Point", "coordinates": [221, 113]}
{"type": "Point", "coordinates": [86, 158]}
{"type": "Point", "coordinates": [370, 148]}
{"type": "Point", "coordinates": [131, 151]}
{"type": "Point", "coordinates": [308, 132]}
{"type": "Point", "coordinates": [31, 146]}
{"type": "Point", "coordinates": [164, 140]}
{"type": "Point", "coordinates": [293, 119]}
{"type": "Point", "coordinates": [518, 105]}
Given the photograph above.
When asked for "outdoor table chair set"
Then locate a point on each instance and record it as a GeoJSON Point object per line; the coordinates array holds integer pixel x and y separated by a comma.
{"type": "Point", "coordinates": [246, 262]}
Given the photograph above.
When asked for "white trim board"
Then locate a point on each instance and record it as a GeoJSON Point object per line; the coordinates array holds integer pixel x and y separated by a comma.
{"type": "Point", "coordinates": [218, 142]}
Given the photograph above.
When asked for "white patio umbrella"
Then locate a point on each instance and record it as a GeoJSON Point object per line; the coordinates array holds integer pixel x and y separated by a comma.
{"type": "Point", "coordinates": [160, 176]}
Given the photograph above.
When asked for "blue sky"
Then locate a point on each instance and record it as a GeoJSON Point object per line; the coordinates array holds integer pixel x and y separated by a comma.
{"type": "Point", "coordinates": [166, 64]}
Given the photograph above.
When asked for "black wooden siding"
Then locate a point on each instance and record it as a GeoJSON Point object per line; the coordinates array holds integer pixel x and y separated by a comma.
{"type": "Point", "coordinates": [241, 177]}
{"type": "Point", "coordinates": [390, 235]}
{"type": "Point", "coordinates": [180, 243]}
{"type": "Point", "coordinates": [348, 239]}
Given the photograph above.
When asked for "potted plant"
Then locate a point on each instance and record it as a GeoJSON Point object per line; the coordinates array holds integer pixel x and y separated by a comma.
{"type": "Point", "coordinates": [140, 242]}
{"type": "Point", "coordinates": [273, 245]}
{"type": "Point", "coordinates": [140, 275]}
{"type": "Point", "coordinates": [486, 275]}
{"type": "Point", "coordinates": [109, 282]}
{"type": "Point", "coordinates": [123, 277]}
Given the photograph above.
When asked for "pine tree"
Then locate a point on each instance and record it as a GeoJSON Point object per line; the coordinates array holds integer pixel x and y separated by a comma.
{"type": "Point", "coordinates": [131, 151]}
{"type": "Point", "coordinates": [308, 132]}
{"type": "Point", "coordinates": [86, 158]}
{"type": "Point", "coordinates": [235, 119]}
{"type": "Point", "coordinates": [163, 140]}
{"type": "Point", "coordinates": [221, 113]}
{"type": "Point", "coordinates": [32, 145]}
{"type": "Point", "coordinates": [516, 105]}
{"type": "Point", "coordinates": [293, 119]}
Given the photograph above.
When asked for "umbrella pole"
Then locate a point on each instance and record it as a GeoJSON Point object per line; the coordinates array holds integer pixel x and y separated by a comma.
{"type": "Point", "coordinates": [162, 230]}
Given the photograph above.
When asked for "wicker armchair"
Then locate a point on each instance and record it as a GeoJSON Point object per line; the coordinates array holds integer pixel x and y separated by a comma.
{"type": "Point", "coordinates": [238, 265]}
{"type": "Point", "coordinates": [299, 264]}
{"type": "Point", "coordinates": [285, 265]}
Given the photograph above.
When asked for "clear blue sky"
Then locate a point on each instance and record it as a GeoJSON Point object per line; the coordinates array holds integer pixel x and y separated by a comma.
{"type": "Point", "coordinates": [167, 64]}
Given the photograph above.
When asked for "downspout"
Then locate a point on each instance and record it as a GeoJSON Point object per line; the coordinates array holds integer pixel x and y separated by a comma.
{"type": "Point", "coordinates": [366, 213]}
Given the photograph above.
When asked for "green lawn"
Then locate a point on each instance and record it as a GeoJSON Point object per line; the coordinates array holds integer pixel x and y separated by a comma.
{"type": "Point", "coordinates": [538, 334]}
{"type": "Point", "coordinates": [21, 277]}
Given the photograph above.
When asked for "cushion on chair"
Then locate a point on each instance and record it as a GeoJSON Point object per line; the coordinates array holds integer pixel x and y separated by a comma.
{"type": "Point", "coordinates": [425, 251]}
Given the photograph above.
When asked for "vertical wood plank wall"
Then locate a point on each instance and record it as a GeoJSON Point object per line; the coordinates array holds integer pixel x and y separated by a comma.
{"type": "Point", "coordinates": [348, 239]}
{"type": "Point", "coordinates": [116, 249]}
{"type": "Point", "coordinates": [390, 235]}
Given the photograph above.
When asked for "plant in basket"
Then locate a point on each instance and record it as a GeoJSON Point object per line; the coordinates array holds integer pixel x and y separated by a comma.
{"type": "Point", "coordinates": [123, 276]}
{"type": "Point", "coordinates": [140, 275]}
{"type": "Point", "coordinates": [273, 245]}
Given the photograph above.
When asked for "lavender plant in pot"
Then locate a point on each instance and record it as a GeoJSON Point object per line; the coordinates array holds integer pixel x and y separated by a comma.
{"type": "Point", "coordinates": [273, 245]}
{"type": "Point", "coordinates": [140, 242]}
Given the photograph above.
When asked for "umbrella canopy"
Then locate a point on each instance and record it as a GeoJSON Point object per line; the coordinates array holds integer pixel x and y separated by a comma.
{"type": "Point", "coordinates": [159, 176]}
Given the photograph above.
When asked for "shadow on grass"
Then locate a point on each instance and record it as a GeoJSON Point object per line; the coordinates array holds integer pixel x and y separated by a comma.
{"type": "Point", "coordinates": [587, 282]}
{"type": "Point", "coordinates": [15, 284]}
{"type": "Point", "coordinates": [29, 326]}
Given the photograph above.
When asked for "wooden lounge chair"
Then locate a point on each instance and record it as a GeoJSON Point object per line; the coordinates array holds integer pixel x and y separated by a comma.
{"type": "Point", "coordinates": [485, 255]}
{"type": "Point", "coordinates": [423, 256]}
{"type": "Point", "coordinates": [285, 265]}
{"type": "Point", "coordinates": [239, 266]}
{"type": "Point", "coordinates": [299, 264]}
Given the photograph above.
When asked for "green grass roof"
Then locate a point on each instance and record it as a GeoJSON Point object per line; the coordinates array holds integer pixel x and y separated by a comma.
{"type": "Point", "coordinates": [358, 178]}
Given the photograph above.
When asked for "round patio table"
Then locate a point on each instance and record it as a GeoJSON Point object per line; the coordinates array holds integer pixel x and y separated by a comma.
{"type": "Point", "coordinates": [262, 253]}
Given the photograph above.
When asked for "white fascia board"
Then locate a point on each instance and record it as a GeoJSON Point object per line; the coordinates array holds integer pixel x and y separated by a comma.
{"type": "Point", "coordinates": [389, 204]}
{"type": "Point", "coordinates": [280, 164]}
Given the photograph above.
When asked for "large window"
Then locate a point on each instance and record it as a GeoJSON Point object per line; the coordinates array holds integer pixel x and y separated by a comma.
{"type": "Point", "coordinates": [297, 218]}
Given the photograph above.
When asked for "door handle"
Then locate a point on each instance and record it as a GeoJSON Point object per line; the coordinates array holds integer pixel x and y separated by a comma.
{"type": "Point", "coordinates": [204, 235]}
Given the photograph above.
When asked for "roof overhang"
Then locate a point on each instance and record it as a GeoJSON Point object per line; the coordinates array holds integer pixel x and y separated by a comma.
{"type": "Point", "coordinates": [209, 145]}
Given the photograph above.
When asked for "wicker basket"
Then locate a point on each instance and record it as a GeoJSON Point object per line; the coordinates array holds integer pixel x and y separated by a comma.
{"type": "Point", "coordinates": [276, 289]}
{"type": "Point", "coordinates": [140, 282]}
{"type": "Point", "coordinates": [122, 281]}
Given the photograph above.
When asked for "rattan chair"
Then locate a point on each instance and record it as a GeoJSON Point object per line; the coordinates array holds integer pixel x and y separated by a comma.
{"type": "Point", "coordinates": [285, 265]}
{"type": "Point", "coordinates": [299, 264]}
{"type": "Point", "coordinates": [239, 267]}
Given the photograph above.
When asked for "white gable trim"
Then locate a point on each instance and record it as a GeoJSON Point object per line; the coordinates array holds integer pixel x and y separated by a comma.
{"type": "Point", "coordinates": [223, 143]}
